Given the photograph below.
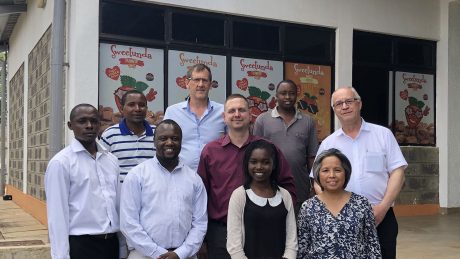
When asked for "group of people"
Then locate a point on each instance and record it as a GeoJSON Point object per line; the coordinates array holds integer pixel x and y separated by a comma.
{"type": "Point", "coordinates": [202, 185]}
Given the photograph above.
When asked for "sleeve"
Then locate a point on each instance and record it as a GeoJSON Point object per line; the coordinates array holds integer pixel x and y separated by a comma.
{"type": "Point", "coordinates": [291, 247]}
{"type": "Point", "coordinates": [312, 139]}
{"type": "Point", "coordinates": [104, 141]}
{"type": "Point", "coordinates": [203, 168]}
{"type": "Point", "coordinates": [167, 114]}
{"type": "Point", "coordinates": [371, 240]}
{"type": "Point", "coordinates": [130, 207]}
{"type": "Point", "coordinates": [258, 128]}
{"type": "Point", "coordinates": [235, 226]}
{"type": "Point", "coordinates": [395, 158]}
{"type": "Point", "coordinates": [320, 149]}
{"type": "Point", "coordinates": [285, 179]}
{"type": "Point", "coordinates": [196, 234]}
{"type": "Point", "coordinates": [305, 233]}
{"type": "Point", "coordinates": [57, 188]}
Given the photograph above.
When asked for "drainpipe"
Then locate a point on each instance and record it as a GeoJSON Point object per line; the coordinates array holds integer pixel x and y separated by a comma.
{"type": "Point", "coordinates": [3, 128]}
{"type": "Point", "coordinates": [56, 118]}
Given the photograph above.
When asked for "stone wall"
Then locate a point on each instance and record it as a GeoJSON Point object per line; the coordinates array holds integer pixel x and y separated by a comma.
{"type": "Point", "coordinates": [422, 176]}
{"type": "Point", "coordinates": [38, 116]}
{"type": "Point", "coordinates": [16, 129]}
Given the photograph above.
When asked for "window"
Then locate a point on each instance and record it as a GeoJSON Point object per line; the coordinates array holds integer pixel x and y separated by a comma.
{"type": "Point", "coordinates": [198, 29]}
{"type": "Point", "coordinates": [254, 36]}
{"type": "Point", "coordinates": [132, 20]}
{"type": "Point", "coordinates": [309, 42]}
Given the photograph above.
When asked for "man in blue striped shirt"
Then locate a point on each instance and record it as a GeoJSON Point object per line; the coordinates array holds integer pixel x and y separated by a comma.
{"type": "Point", "coordinates": [131, 141]}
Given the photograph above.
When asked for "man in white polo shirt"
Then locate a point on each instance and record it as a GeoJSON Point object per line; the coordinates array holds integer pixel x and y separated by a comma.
{"type": "Point", "coordinates": [377, 163]}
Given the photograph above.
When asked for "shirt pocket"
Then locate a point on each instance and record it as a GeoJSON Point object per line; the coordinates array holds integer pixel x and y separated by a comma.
{"type": "Point", "coordinates": [374, 162]}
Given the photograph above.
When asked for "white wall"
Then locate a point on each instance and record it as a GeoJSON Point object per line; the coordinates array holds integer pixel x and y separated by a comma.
{"type": "Point", "coordinates": [28, 30]}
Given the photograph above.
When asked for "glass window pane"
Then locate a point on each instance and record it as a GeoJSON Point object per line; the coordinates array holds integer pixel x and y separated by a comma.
{"type": "Point", "coordinates": [309, 43]}
{"type": "Point", "coordinates": [256, 36]}
{"type": "Point", "coordinates": [132, 20]}
{"type": "Point", "coordinates": [198, 29]}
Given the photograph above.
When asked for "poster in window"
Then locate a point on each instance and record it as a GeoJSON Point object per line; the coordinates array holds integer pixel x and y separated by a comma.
{"type": "Point", "coordinates": [179, 64]}
{"type": "Point", "coordinates": [313, 93]}
{"type": "Point", "coordinates": [123, 68]}
{"type": "Point", "coordinates": [256, 79]}
{"type": "Point", "coordinates": [414, 108]}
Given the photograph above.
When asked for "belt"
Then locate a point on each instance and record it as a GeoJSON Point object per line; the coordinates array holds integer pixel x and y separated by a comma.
{"type": "Point", "coordinates": [171, 249]}
{"type": "Point", "coordinates": [218, 222]}
{"type": "Point", "coordinates": [105, 236]}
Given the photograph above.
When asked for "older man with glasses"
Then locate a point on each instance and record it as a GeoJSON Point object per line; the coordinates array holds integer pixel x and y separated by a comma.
{"type": "Point", "coordinates": [377, 163]}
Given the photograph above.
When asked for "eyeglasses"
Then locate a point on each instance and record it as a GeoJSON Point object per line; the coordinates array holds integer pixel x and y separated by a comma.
{"type": "Point", "coordinates": [348, 102]}
{"type": "Point", "coordinates": [197, 80]}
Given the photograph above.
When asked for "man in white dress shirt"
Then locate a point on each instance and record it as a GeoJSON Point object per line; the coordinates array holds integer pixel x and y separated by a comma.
{"type": "Point", "coordinates": [80, 184]}
{"type": "Point", "coordinates": [377, 162]}
{"type": "Point", "coordinates": [163, 203]}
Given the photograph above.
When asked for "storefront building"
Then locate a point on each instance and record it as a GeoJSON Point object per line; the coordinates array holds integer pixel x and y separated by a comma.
{"type": "Point", "coordinates": [402, 56]}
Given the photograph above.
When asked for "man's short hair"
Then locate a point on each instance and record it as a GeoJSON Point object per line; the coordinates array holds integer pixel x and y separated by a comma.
{"type": "Point", "coordinates": [168, 122]}
{"type": "Point", "coordinates": [355, 93]}
{"type": "Point", "coordinates": [199, 68]}
{"type": "Point", "coordinates": [125, 95]}
{"type": "Point", "coordinates": [74, 110]}
{"type": "Point", "coordinates": [235, 96]}
{"type": "Point", "coordinates": [288, 81]}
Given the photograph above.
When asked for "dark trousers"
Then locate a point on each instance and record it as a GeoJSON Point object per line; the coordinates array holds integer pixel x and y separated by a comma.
{"type": "Point", "coordinates": [216, 240]}
{"type": "Point", "coordinates": [87, 246]}
{"type": "Point", "coordinates": [388, 232]}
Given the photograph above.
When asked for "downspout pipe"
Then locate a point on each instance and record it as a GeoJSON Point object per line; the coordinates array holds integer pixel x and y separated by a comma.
{"type": "Point", "coordinates": [56, 118]}
{"type": "Point", "coordinates": [3, 129]}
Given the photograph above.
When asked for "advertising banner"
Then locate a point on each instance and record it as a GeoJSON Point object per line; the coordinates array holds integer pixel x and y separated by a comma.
{"type": "Point", "coordinates": [414, 101]}
{"type": "Point", "coordinates": [180, 62]}
{"type": "Point", "coordinates": [256, 80]}
{"type": "Point", "coordinates": [123, 68]}
{"type": "Point", "coordinates": [313, 93]}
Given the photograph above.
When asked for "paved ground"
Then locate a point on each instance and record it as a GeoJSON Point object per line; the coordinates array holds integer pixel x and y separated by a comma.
{"type": "Point", "coordinates": [23, 237]}
{"type": "Point", "coordinates": [429, 237]}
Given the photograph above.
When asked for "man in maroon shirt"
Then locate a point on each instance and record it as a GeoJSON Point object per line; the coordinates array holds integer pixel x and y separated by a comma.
{"type": "Point", "coordinates": [222, 172]}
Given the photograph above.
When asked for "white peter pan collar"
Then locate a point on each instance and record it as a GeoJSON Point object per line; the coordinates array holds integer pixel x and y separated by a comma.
{"type": "Point", "coordinates": [261, 201]}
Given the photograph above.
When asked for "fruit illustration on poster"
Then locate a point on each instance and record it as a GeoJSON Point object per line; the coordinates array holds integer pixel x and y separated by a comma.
{"type": "Point", "coordinates": [258, 102]}
{"type": "Point", "coordinates": [308, 103]}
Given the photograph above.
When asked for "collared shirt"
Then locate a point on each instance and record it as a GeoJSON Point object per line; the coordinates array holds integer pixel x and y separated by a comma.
{"type": "Point", "coordinates": [221, 168]}
{"type": "Point", "coordinates": [297, 140]}
{"type": "Point", "coordinates": [161, 209]}
{"type": "Point", "coordinates": [81, 195]}
{"type": "Point", "coordinates": [129, 148]}
{"type": "Point", "coordinates": [196, 132]}
{"type": "Point", "coordinates": [373, 155]}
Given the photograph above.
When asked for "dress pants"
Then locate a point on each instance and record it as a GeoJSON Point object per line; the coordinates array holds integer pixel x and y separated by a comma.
{"type": "Point", "coordinates": [216, 240]}
{"type": "Point", "coordinates": [87, 246]}
{"type": "Point", "coordinates": [388, 232]}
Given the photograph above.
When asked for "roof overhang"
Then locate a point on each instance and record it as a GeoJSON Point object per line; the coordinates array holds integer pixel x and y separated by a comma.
{"type": "Point", "coordinates": [9, 14]}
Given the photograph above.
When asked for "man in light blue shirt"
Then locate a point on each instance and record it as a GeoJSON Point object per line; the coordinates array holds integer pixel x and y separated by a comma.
{"type": "Point", "coordinates": [163, 203]}
{"type": "Point", "coordinates": [200, 118]}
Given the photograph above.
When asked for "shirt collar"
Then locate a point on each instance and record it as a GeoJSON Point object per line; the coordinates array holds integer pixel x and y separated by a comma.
{"type": "Point", "coordinates": [364, 127]}
{"type": "Point", "coordinates": [186, 105]}
{"type": "Point", "coordinates": [76, 147]}
{"type": "Point", "coordinates": [275, 113]}
{"type": "Point", "coordinates": [226, 140]}
{"type": "Point", "coordinates": [125, 130]}
{"type": "Point", "coordinates": [179, 165]}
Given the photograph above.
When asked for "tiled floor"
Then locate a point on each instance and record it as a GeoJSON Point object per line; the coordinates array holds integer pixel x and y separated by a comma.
{"type": "Point", "coordinates": [429, 237]}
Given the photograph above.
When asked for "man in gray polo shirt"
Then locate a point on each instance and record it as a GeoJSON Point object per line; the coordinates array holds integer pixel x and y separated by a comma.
{"type": "Point", "coordinates": [294, 133]}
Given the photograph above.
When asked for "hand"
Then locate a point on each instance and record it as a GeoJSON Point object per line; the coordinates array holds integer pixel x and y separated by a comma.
{"type": "Point", "coordinates": [380, 210]}
{"type": "Point", "coordinates": [203, 252]}
{"type": "Point", "coordinates": [169, 255]}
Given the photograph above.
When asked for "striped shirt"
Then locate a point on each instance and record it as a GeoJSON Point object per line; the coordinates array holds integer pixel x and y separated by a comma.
{"type": "Point", "coordinates": [129, 148]}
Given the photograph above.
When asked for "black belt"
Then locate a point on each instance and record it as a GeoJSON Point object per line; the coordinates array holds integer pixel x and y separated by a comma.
{"type": "Point", "coordinates": [105, 236]}
{"type": "Point", "coordinates": [218, 222]}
